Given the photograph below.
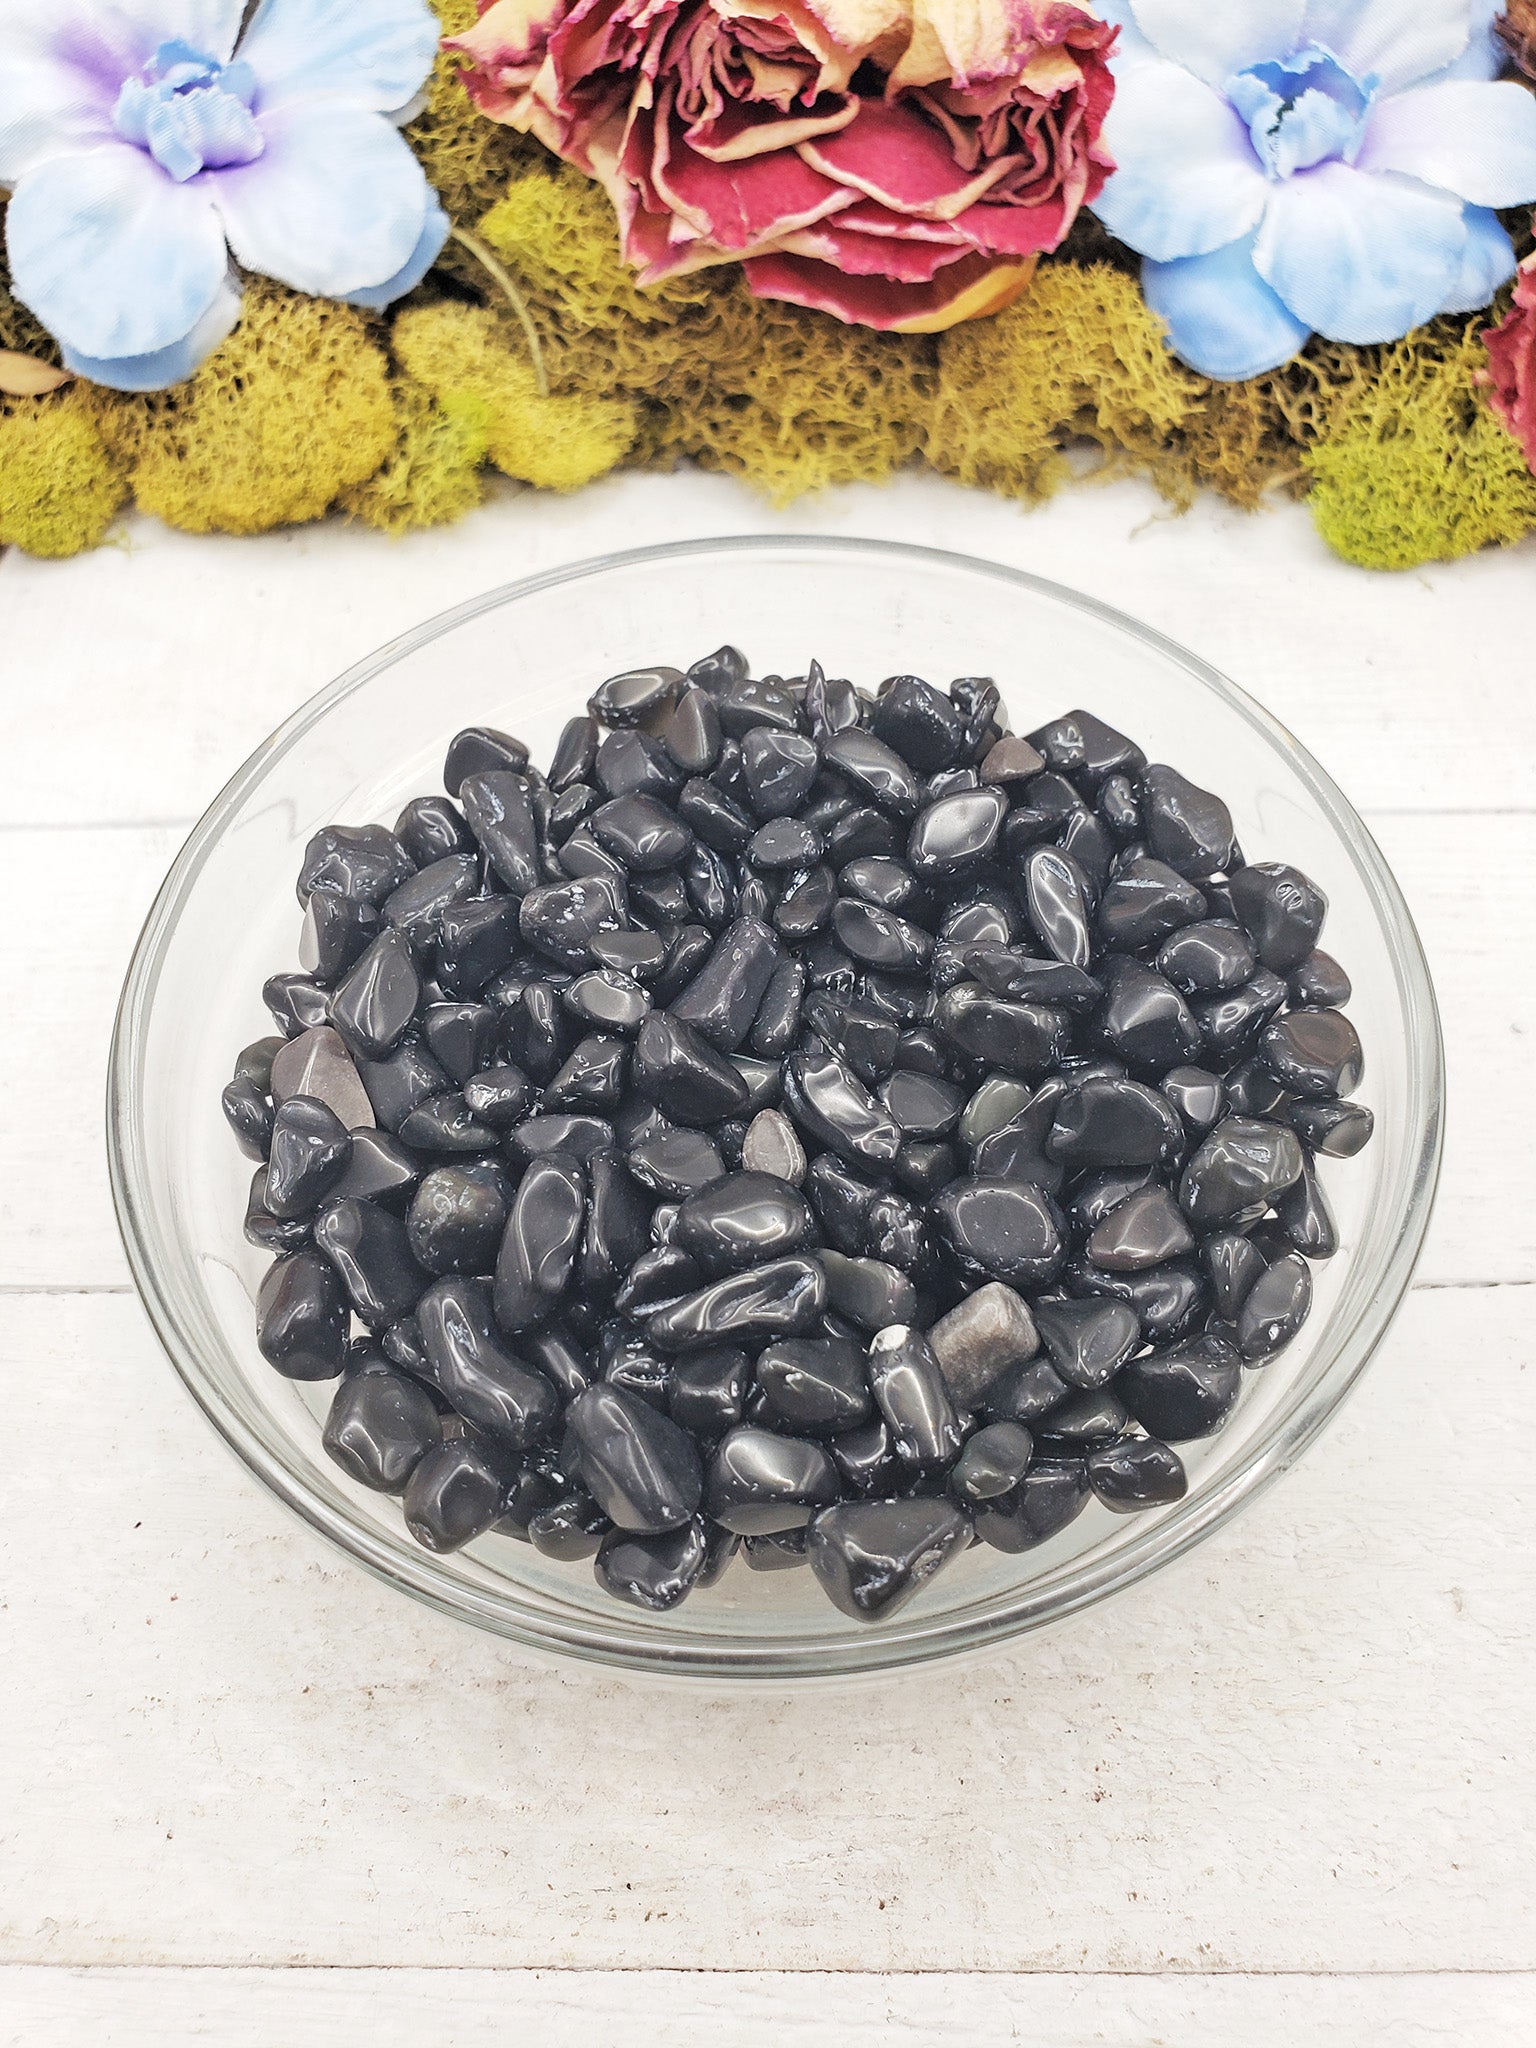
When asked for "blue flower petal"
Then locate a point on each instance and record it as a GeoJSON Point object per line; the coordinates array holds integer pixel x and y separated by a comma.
{"type": "Point", "coordinates": [1478, 141]}
{"type": "Point", "coordinates": [1360, 258]}
{"type": "Point", "coordinates": [1400, 41]}
{"type": "Point", "coordinates": [377, 55]}
{"type": "Point", "coordinates": [335, 203]}
{"type": "Point", "coordinates": [423, 256]}
{"type": "Point", "coordinates": [1214, 38]}
{"type": "Point", "coordinates": [1489, 262]}
{"type": "Point", "coordinates": [58, 84]}
{"type": "Point", "coordinates": [1222, 318]}
{"type": "Point", "coordinates": [1485, 55]}
{"type": "Point", "coordinates": [1188, 179]}
{"type": "Point", "coordinates": [207, 26]}
{"type": "Point", "coordinates": [166, 366]}
{"type": "Point", "coordinates": [111, 256]}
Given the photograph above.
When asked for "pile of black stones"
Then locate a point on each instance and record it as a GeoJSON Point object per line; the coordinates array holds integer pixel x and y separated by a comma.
{"type": "Point", "coordinates": [814, 1123]}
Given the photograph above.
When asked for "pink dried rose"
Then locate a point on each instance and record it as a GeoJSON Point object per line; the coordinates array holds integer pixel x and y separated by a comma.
{"type": "Point", "coordinates": [900, 163]}
{"type": "Point", "coordinates": [1512, 362]}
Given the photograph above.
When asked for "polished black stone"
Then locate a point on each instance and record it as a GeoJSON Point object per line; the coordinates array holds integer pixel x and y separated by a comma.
{"type": "Point", "coordinates": [956, 831]}
{"type": "Point", "coordinates": [1313, 1053]}
{"type": "Point", "coordinates": [692, 734]}
{"type": "Point", "coordinates": [498, 809]}
{"type": "Point", "coordinates": [993, 1462]}
{"type": "Point", "coordinates": [302, 1317]}
{"type": "Point", "coordinates": [1137, 1473]}
{"type": "Point", "coordinates": [633, 764]}
{"type": "Point", "coordinates": [481, 750]}
{"type": "Point", "coordinates": [833, 1108]}
{"type": "Point", "coordinates": [1147, 1228]}
{"type": "Point", "coordinates": [336, 929]}
{"type": "Point", "coordinates": [644, 836]}
{"type": "Point", "coordinates": [707, 1391]}
{"type": "Point", "coordinates": [380, 1427]}
{"type": "Point", "coordinates": [1232, 1264]}
{"type": "Point", "coordinates": [919, 723]}
{"type": "Point", "coordinates": [456, 1492]}
{"type": "Point", "coordinates": [1020, 1038]}
{"type": "Point", "coordinates": [364, 862]}
{"type": "Point", "coordinates": [1087, 1341]}
{"type": "Point", "coordinates": [308, 1155]}
{"type": "Point", "coordinates": [575, 753]}
{"type": "Point", "coordinates": [374, 1005]}
{"type": "Point", "coordinates": [1338, 1130]}
{"type": "Point", "coordinates": [879, 938]}
{"type": "Point", "coordinates": [1198, 1096]}
{"type": "Point", "coordinates": [742, 1220]}
{"type": "Point", "coordinates": [1050, 1495]}
{"type": "Point", "coordinates": [687, 1079]}
{"type": "Point", "coordinates": [1006, 972]}
{"type": "Point", "coordinates": [432, 827]}
{"type": "Point", "coordinates": [759, 1482]}
{"type": "Point", "coordinates": [1165, 1299]}
{"type": "Point", "coordinates": [815, 1386]}
{"type": "Point", "coordinates": [570, 1529]}
{"type": "Point", "coordinates": [872, 1556]}
{"type": "Point", "coordinates": [653, 1572]}
{"type": "Point", "coordinates": [721, 1001]}
{"type": "Point", "coordinates": [297, 1002]}
{"type": "Point", "coordinates": [1282, 910]}
{"type": "Point", "coordinates": [924, 1105]}
{"type": "Point", "coordinates": [268, 1232]}
{"type": "Point", "coordinates": [1210, 958]}
{"type": "Point", "coordinates": [1058, 898]}
{"type": "Point", "coordinates": [490, 1387]}
{"type": "Point", "coordinates": [445, 1123]}
{"type": "Point", "coordinates": [1005, 1230]}
{"type": "Point", "coordinates": [714, 816]}
{"type": "Point", "coordinates": [455, 1222]}
{"type": "Point", "coordinates": [1185, 1392]}
{"type": "Point", "coordinates": [371, 1252]}
{"type": "Point", "coordinates": [538, 1248]}
{"type": "Point", "coordinates": [563, 918]}
{"type": "Point", "coordinates": [779, 769]}
{"type": "Point", "coordinates": [476, 942]}
{"type": "Point", "coordinates": [1144, 902]}
{"type": "Point", "coordinates": [1105, 1122]}
{"type": "Point", "coordinates": [636, 696]}
{"type": "Point", "coordinates": [1244, 1161]}
{"type": "Point", "coordinates": [1186, 826]}
{"type": "Point", "coordinates": [913, 1398]}
{"type": "Point", "coordinates": [1146, 1020]}
{"type": "Point", "coordinates": [641, 1469]}
{"type": "Point", "coordinates": [782, 1299]}
{"type": "Point", "coordinates": [875, 770]}
{"type": "Point", "coordinates": [498, 1096]}
{"type": "Point", "coordinates": [1305, 1217]}
{"type": "Point", "coordinates": [249, 1115]}
{"type": "Point", "coordinates": [1230, 1023]}
{"type": "Point", "coordinates": [592, 1078]}
{"type": "Point", "coordinates": [1276, 1306]}
{"type": "Point", "coordinates": [869, 1293]}
{"type": "Point", "coordinates": [1082, 744]}
{"type": "Point", "coordinates": [674, 1161]}
{"type": "Point", "coordinates": [1319, 983]}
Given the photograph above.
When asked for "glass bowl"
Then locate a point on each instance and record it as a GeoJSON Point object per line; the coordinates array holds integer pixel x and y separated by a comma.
{"type": "Point", "coordinates": [527, 657]}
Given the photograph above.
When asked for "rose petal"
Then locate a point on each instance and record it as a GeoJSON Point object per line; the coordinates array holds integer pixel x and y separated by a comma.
{"type": "Point", "coordinates": [962, 291]}
{"type": "Point", "coordinates": [891, 154]}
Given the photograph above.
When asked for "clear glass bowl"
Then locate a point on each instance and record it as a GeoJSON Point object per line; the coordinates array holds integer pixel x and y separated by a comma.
{"type": "Point", "coordinates": [526, 658]}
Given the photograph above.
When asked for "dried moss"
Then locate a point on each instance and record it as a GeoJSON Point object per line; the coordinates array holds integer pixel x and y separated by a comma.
{"type": "Point", "coordinates": [18, 329]}
{"type": "Point", "coordinates": [469, 355]}
{"type": "Point", "coordinates": [290, 412]}
{"type": "Point", "coordinates": [1415, 467]}
{"type": "Point", "coordinates": [60, 486]}
{"type": "Point", "coordinates": [434, 475]}
{"type": "Point", "coordinates": [1079, 359]}
{"type": "Point", "coordinates": [467, 158]}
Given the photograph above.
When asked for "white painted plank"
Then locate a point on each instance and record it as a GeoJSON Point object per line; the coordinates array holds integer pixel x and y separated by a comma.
{"type": "Point", "coordinates": [150, 670]}
{"type": "Point", "coordinates": [667, 2009]}
{"type": "Point", "coordinates": [56, 1226]}
{"type": "Point", "coordinates": [1305, 1748]}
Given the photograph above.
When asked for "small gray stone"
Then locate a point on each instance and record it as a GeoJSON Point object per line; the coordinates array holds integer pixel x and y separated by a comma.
{"type": "Point", "coordinates": [317, 1063]}
{"type": "Point", "coordinates": [976, 1342]}
{"type": "Point", "coordinates": [771, 1146]}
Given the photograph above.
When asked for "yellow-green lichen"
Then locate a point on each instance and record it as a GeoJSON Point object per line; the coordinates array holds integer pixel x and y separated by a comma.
{"type": "Point", "coordinates": [1416, 468]}
{"type": "Point", "coordinates": [291, 411]}
{"type": "Point", "coordinates": [434, 475]}
{"type": "Point", "coordinates": [1080, 358]}
{"type": "Point", "coordinates": [60, 487]}
{"type": "Point", "coordinates": [470, 355]}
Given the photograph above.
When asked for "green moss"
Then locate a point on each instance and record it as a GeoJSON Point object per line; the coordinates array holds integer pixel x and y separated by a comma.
{"type": "Point", "coordinates": [434, 476]}
{"type": "Point", "coordinates": [1416, 468]}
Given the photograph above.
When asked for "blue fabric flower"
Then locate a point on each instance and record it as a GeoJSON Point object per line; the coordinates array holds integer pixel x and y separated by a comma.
{"type": "Point", "coordinates": [143, 149]}
{"type": "Point", "coordinates": [1297, 166]}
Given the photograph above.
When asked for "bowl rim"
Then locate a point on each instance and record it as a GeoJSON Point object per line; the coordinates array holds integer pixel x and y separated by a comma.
{"type": "Point", "coordinates": [903, 1643]}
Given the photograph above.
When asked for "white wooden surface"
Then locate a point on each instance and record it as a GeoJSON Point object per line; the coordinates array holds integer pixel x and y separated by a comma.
{"type": "Point", "coordinates": [1283, 1791]}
